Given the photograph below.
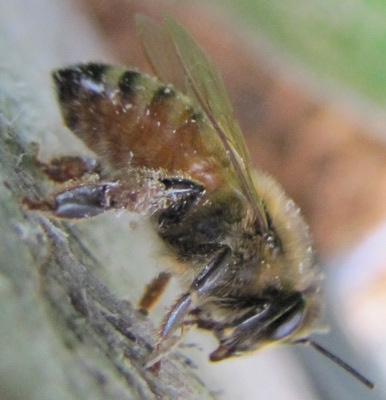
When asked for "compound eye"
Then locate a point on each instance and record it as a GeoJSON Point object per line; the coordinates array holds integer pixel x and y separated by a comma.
{"type": "Point", "coordinates": [288, 325]}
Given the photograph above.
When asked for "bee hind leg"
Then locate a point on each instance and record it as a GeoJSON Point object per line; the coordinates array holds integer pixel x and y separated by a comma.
{"type": "Point", "coordinates": [80, 201]}
{"type": "Point", "coordinates": [91, 196]}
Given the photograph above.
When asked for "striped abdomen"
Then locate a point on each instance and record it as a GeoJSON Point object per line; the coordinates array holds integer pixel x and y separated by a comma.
{"type": "Point", "coordinates": [131, 119]}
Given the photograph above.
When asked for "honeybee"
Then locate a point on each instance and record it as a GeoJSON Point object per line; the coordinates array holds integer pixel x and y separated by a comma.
{"type": "Point", "coordinates": [170, 148]}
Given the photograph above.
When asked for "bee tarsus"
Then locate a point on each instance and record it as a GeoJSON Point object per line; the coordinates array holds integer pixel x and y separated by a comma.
{"type": "Point", "coordinates": [201, 286]}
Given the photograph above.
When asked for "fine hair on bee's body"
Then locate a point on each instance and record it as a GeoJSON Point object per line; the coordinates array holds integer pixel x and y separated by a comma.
{"type": "Point", "coordinates": [170, 148]}
{"type": "Point", "coordinates": [162, 130]}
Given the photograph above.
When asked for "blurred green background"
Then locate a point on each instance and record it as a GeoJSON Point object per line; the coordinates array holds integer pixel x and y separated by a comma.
{"type": "Point", "coordinates": [341, 39]}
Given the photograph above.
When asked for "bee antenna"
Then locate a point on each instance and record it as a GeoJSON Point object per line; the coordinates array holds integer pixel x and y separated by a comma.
{"type": "Point", "coordinates": [335, 359]}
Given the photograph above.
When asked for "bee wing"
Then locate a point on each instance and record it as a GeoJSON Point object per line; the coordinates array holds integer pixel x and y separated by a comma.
{"type": "Point", "coordinates": [177, 58]}
{"type": "Point", "coordinates": [161, 53]}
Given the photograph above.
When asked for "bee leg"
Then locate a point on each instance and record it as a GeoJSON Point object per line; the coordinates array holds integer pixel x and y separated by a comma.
{"type": "Point", "coordinates": [80, 201]}
{"type": "Point", "coordinates": [154, 291]}
{"type": "Point", "coordinates": [183, 187]}
{"type": "Point", "coordinates": [90, 196]}
{"type": "Point", "coordinates": [67, 168]}
{"type": "Point", "coordinates": [183, 194]}
{"type": "Point", "coordinates": [87, 198]}
{"type": "Point", "coordinates": [204, 283]}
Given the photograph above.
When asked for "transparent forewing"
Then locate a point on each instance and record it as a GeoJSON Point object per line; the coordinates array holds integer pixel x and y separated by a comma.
{"type": "Point", "coordinates": [161, 53]}
{"type": "Point", "coordinates": [177, 58]}
{"type": "Point", "coordinates": [208, 86]}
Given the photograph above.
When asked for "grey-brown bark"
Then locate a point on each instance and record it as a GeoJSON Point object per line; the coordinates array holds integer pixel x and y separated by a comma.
{"type": "Point", "coordinates": [63, 333]}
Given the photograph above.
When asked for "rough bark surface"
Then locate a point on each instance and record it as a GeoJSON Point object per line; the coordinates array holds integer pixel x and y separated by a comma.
{"type": "Point", "coordinates": [63, 333]}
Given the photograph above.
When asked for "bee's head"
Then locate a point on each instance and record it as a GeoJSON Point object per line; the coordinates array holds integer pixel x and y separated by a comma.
{"type": "Point", "coordinates": [286, 321]}
{"type": "Point", "coordinates": [277, 318]}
